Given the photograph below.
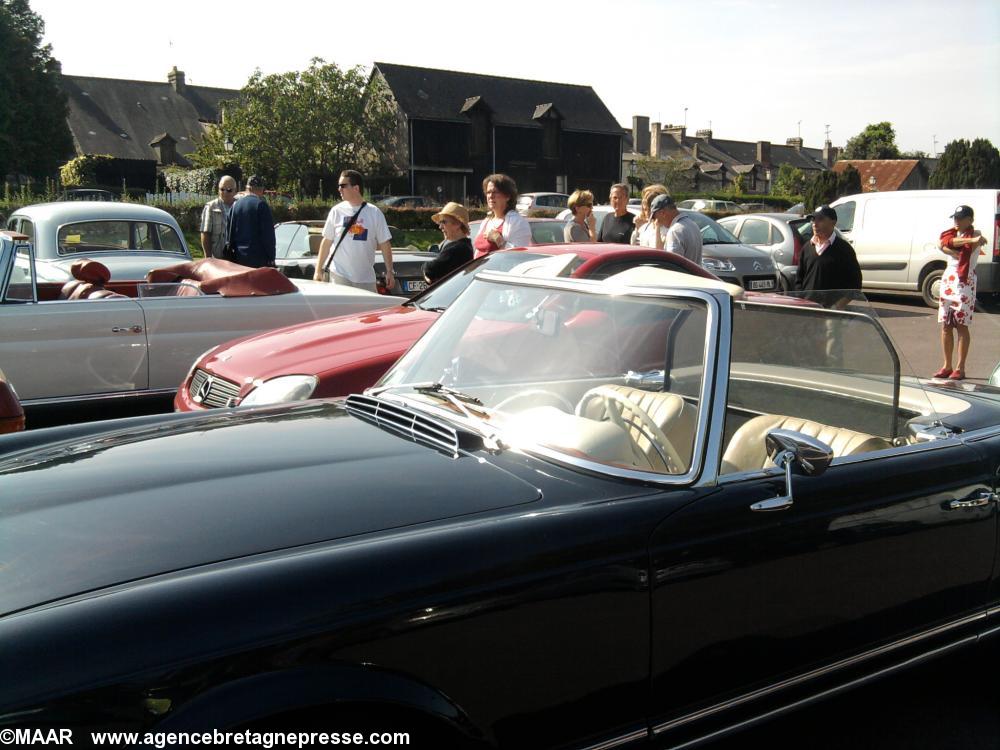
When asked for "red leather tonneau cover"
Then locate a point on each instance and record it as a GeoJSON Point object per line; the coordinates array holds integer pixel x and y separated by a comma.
{"type": "Point", "coordinates": [225, 278]}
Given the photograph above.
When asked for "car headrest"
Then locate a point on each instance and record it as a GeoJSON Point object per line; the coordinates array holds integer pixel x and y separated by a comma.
{"type": "Point", "coordinates": [90, 271]}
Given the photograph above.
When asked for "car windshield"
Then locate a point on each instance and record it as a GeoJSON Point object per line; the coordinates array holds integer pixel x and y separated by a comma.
{"type": "Point", "coordinates": [712, 232]}
{"type": "Point", "coordinates": [441, 295]}
{"type": "Point", "coordinates": [574, 372]}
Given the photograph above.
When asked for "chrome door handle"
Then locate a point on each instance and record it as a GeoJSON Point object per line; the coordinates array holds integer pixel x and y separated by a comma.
{"type": "Point", "coordinates": [127, 329]}
{"type": "Point", "coordinates": [985, 497]}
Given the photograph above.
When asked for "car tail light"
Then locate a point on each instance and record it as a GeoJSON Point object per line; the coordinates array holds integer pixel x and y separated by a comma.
{"type": "Point", "coordinates": [797, 252]}
{"type": "Point", "coordinates": [380, 285]}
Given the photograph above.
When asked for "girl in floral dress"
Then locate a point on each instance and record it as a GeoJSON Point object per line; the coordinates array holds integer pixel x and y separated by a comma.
{"type": "Point", "coordinates": [957, 298]}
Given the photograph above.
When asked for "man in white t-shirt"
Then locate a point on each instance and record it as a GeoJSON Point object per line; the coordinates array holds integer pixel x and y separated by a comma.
{"type": "Point", "coordinates": [354, 255]}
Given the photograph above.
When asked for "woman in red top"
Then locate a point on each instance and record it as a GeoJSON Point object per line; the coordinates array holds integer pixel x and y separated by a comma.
{"type": "Point", "coordinates": [957, 298]}
{"type": "Point", "coordinates": [504, 228]}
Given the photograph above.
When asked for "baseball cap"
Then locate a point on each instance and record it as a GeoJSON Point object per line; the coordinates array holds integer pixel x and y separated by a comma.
{"type": "Point", "coordinates": [962, 212]}
{"type": "Point", "coordinates": [660, 201]}
{"type": "Point", "coordinates": [255, 181]}
{"type": "Point", "coordinates": [824, 211]}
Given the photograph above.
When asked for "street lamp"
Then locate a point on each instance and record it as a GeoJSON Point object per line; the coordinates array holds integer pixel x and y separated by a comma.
{"type": "Point", "coordinates": [871, 184]}
{"type": "Point", "coordinates": [228, 145]}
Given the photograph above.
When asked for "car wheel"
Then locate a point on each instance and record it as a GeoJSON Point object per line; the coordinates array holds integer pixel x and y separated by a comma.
{"type": "Point", "coordinates": [930, 287]}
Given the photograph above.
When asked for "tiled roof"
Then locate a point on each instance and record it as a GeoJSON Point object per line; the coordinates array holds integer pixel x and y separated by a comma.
{"type": "Point", "coordinates": [121, 117]}
{"type": "Point", "coordinates": [889, 174]}
{"type": "Point", "coordinates": [429, 94]}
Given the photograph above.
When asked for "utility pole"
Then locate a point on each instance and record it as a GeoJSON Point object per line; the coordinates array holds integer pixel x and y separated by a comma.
{"type": "Point", "coordinates": [800, 130]}
{"type": "Point", "coordinates": [934, 152]}
{"type": "Point", "coordinates": [685, 119]}
{"type": "Point", "coordinates": [828, 132]}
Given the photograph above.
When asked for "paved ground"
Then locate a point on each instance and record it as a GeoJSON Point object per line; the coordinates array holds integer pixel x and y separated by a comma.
{"type": "Point", "coordinates": [915, 331]}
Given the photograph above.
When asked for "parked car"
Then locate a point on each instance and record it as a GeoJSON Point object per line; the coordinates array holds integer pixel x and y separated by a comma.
{"type": "Point", "coordinates": [298, 248]}
{"type": "Point", "coordinates": [895, 236]}
{"type": "Point", "coordinates": [86, 194]}
{"type": "Point", "coordinates": [97, 339]}
{"type": "Point", "coordinates": [755, 208]}
{"type": "Point", "coordinates": [341, 355]}
{"type": "Point", "coordinates": [529, 201]}
{"type": "Point", "coordinates": [781, 235]}
{"type": "Point", "coordinates": [406, 201]}
{"type": "Point", "coordinates": [798, 208]}
{"type": "Point", "coordinates": [630, 513]}
{"type": "Point", "coordinates": [707, 204]}
{"type": "Point", "coordinates": [722, 253]}
{"type": "Point", "coordinates": [129, 238]}
{"type": "Point", "coordinates": [543, 231]}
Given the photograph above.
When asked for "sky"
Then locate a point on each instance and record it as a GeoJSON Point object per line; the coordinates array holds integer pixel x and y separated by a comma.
{"type": "Point", "coordinates": [749, 69]}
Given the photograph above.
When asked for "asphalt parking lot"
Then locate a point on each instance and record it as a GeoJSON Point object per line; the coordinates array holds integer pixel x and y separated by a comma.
{"type": "Point", "coordinates": [915, 332]}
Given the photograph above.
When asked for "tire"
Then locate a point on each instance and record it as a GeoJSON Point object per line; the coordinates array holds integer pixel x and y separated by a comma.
{"type": "Point", "coordinates": [930, 286]}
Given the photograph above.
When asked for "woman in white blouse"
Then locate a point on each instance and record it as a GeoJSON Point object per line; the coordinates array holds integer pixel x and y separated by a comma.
{"type": "Point", "coordinates": [504, 228]}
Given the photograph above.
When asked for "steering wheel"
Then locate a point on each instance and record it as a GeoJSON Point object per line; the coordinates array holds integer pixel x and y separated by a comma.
{"type": "Point", "coordinates": [616, 404]}
{"type": "Point", "coordinates": [535, 392]}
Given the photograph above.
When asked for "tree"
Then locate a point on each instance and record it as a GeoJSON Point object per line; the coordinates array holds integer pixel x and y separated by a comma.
{"type": "Point", "coordinates": [34, 136]}
{"type": "Point", "coordinates": [915, 154]}
{"type": "Point", "coordinates": [876, 141]}
{"type": "Point", "coordinates": [821, 189]}
{"type": "Point", "coordinates": [967, 165]}
{"type": "Point", "coordinates": [674, 174]}
{"type": "Point", "coordinates": [299, 128]}
{"type": "Point", "coordinates": [848, 182]}
{"type": "Point", "coordinates": [790, 180]}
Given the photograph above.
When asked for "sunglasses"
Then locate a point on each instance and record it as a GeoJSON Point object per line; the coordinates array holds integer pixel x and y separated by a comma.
{"type": "Point", "coordinates": [344, 185]}
{"type": "Point", "coordinates": [226, 190]}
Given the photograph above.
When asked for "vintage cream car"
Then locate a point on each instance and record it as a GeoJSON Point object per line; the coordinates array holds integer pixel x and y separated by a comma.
{"type": "Point", "coordinates": [97, 338]}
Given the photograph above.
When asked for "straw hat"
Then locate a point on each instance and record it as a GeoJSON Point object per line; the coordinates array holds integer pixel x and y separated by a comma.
{"type": "Point", "coordinates": [455, 211]}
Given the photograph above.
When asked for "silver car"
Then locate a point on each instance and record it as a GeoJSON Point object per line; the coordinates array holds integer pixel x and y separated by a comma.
{"type": "Point", "coordinates": [722, 253]}
{"type": "Point", "coordinates": [781, 235]}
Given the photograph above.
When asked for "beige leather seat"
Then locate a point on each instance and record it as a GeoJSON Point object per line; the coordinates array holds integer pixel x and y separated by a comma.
{"type": "Point", "coordinates": [747, 450]}
{"type": "Point", "coordinates": [675, 417]}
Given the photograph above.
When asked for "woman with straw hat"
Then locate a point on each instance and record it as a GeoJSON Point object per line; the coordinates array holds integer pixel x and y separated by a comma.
{"type": "Point", "coordinates": [456, 249]}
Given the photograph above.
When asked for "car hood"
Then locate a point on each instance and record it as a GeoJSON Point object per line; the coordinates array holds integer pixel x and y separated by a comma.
{"type": "Point", "coordinates": [122, 267]}
{"type": "Point", "coordinates": [714, 250]}
{"type": "Point", "coordinates": [129, 500]}
{"type": "Point", "coordinates": [321, 347]}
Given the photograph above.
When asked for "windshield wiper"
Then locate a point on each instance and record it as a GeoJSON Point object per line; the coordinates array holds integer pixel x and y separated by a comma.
{"type": "Point", "coordinates": [428, 387]}
{"type": "Point", "coordinates": [456, 398]}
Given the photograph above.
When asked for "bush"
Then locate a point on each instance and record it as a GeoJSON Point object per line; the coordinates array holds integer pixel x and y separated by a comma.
{"type": "Point", "coordinates": [82, 171]}
{"type": "Point", "coordinates": [191, 180]}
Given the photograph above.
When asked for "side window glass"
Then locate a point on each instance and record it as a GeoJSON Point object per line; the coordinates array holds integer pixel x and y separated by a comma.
{"type": "Point", "coordinates": [284, 234]}
{"type": "Point", "coordinates": [19, 288]}
{"type": "Point", "coordinates": [144, 236]}
{"type": "Point", "coordinates": [845, 216]}
{"type": "Point", "coordinates": [777, 236]}
{"type": "Point", "coordinates": [169, 241]}
{"type": "Point", "coordinates": [27, 229]}
{"type": "Point", "coordinates": [754, 232]}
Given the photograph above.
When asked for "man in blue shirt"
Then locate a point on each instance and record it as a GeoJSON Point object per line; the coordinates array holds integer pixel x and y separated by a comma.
{"type": "Point", "coordinates": [251, 235]}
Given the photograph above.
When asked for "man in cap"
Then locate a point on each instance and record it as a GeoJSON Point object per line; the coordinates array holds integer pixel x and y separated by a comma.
{"type": "Point", "coordinates": [456, 249]}
{"type": "Point", "coordinates": [827, 262]}
{"type": "Point", "coordinates": [215, 219]}
{"type": "Point", "coordinates": [251, 234]}
{"type": "Point", "coordinates": [669, 229]}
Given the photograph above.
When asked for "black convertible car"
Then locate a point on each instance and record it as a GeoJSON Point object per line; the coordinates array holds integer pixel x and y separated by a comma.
{"type": "Point", "coordinates": [576, 514]}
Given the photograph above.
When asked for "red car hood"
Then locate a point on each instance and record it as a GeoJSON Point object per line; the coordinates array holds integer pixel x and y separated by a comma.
{"type": "Point", "coordinates": [325, 348]}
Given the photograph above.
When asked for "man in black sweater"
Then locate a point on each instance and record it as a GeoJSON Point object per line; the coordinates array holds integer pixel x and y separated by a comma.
{"type": "Point", "coordinates": [618, 226]}
{"type": "Point", "coordinates": [828, 262]}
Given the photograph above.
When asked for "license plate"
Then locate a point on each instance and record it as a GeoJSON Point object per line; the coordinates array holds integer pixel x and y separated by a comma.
{"type": "Point", "coordinates": [762, 283]}
{"type": "Point", "coordinates": [414, 286]}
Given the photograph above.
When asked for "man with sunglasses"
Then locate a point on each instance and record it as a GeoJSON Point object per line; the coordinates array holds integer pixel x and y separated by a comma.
{"type": "Point", "coordinates": [354, 230]}
{"type": "Point", "coordinates": [215, 219]}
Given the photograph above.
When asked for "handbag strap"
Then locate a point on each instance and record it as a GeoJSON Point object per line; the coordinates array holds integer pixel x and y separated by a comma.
{"type": "Point", "coordinates": [347, 228]}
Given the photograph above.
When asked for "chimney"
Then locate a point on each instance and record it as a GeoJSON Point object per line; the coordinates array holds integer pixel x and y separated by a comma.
{"type": "Point", "coordinates": [694, 151]}
{"type": "Point", "coordinates": [654, 140]}
{"type": "Point", "coordinates": [705, 134]}
{"type": "Point", "coordinates": [176, 79]}
{"type": "Point", "coordinates": [829, 154]}
{"type": "Point", "coordinates": [764, 152]}
{"type": "Point", "coordinates": [640, 134]}
{"type": "Point", "coordinates": [795, 143]}
{"type": "Point", "coordinates": [677, 132]}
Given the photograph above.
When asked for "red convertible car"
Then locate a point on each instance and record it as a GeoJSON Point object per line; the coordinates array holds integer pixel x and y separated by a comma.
{"type": "Point", "coordinates": [346, 354]}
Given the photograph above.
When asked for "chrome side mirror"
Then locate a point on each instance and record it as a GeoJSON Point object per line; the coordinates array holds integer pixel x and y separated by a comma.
{"type": "Point", "coordinates": [787, 448]}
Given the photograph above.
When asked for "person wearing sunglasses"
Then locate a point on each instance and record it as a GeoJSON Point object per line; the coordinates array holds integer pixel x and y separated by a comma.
{"type": "Point", "coordinates": [215, 219]}
{"type": "Point", "coordinates": [456, 249]}
{"type": "Point", "coordinates": [354, 230]}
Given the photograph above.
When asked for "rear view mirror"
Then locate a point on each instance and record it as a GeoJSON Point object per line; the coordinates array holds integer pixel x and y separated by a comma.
{"type": "Point", "coordinates": [788, 448]}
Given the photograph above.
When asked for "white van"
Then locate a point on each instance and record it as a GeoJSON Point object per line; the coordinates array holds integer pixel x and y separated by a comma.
{"type": "Point", "coordinates": [895, 235]}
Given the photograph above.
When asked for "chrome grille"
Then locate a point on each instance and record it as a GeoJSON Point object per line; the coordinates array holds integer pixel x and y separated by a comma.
{"type": "Point", "coordinates": [212, 391]}
{"type": "Point", "coordinates": [405, 421]}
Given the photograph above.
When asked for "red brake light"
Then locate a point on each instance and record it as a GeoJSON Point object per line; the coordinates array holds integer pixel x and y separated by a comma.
{"type": "Point", "coordinates": [797, 252]}
{"type": "Point", "coordinates": [996, 232]}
